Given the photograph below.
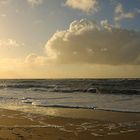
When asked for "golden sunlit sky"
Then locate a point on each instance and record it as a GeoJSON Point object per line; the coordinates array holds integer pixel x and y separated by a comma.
{"type": "Point", "coordinates": [69, 39]}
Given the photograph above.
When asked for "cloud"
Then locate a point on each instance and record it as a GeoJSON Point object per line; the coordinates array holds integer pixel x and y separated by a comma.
{"type": "Point", "coordinates": [138, 10]}
{"type": "Point", "coordinates": [85, 42]}
{"type": "Point", "coordinates": [10, 43]}
{"type": "Point", "coordinates": [105, 24]}
{"type": "Point", "coordinates": [35, 2]}
{"type": "Point", "coordinates": [34, 59]}
{"type": "Point", "coordinates": [84, 5]}
{"type": "Point", "coordinates": [3, 15]}
{"type": "Point", "coordinates": [121, 14]}
{"type": "Point", "coordinates": [4, 1]}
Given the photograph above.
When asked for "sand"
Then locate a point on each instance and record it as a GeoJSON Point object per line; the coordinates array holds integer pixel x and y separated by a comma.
{"type": "Point", "coordinates": [69, 124]}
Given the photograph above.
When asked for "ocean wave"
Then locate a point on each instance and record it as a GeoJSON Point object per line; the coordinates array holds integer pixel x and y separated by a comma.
{"type": "Point", "coordinates": [56, 89]}
{"type": "Point", "coordinates": [46, 104]}
{"type": "Point", "coordinates": [102, 86]}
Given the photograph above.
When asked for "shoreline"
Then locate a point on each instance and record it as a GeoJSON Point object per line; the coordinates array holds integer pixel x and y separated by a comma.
{"type": "Point", "coordinates": [88, 108]}
{"type": "Point", "coordinates": [81, 113]}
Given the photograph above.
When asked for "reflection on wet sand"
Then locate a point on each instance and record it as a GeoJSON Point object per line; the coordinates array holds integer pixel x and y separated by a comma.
{"type": "Point", "coordinates": [77, 124]}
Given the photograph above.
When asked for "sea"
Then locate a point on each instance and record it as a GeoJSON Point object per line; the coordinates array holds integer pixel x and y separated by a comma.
{"type": "Point", "coordinates": [34, 95]}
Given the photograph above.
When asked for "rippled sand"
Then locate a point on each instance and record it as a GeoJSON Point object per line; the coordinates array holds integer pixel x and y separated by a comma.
{"type": "Point", "coordinates": [69, 124]}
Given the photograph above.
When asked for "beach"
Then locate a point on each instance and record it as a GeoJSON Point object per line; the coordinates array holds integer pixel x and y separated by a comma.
{"type": "Point", "coordinates": [69, 124]}
{"type": "Point", "coordinates": [69, 69]}
{"type": "Point", "coordinates": [70, 109]}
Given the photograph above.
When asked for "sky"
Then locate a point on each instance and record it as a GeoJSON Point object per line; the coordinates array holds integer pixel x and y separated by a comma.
{"type": "Point", "coordinates": [69, 39]}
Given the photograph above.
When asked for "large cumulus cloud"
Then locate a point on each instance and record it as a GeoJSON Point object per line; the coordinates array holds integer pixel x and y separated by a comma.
{"type": "Point", "coordinates": [88, 43]}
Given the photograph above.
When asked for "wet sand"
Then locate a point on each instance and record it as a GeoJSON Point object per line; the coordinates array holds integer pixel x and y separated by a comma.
{"type": "Point", "coordinates": [69, 124]}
